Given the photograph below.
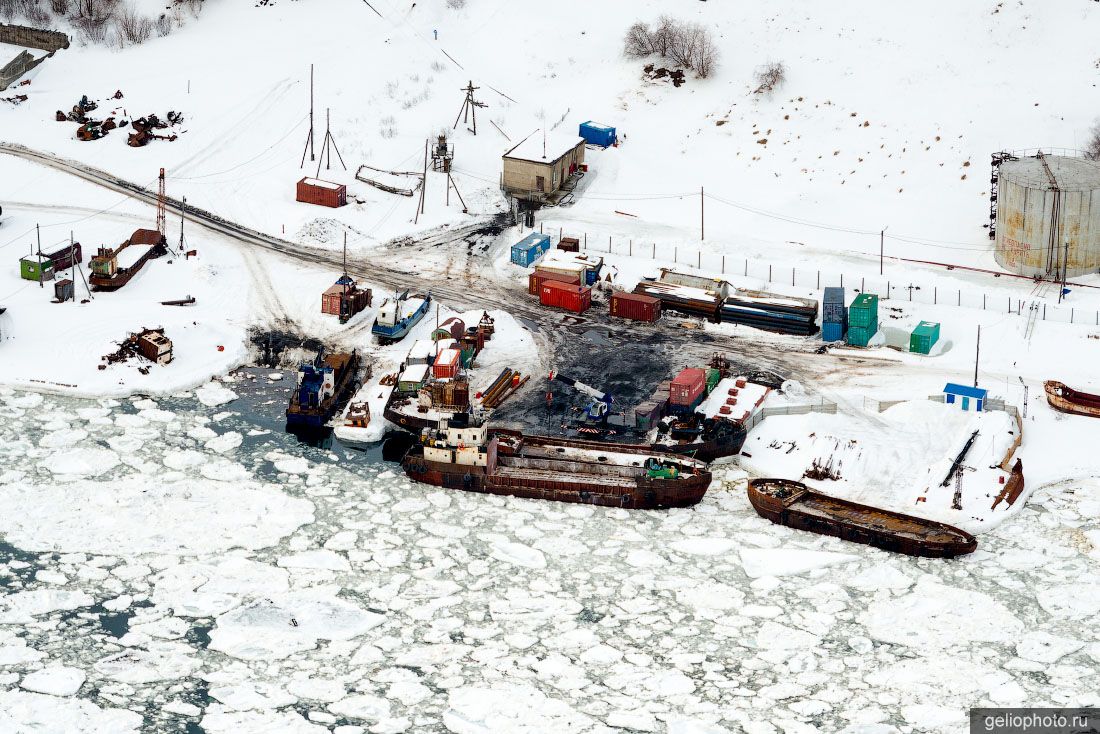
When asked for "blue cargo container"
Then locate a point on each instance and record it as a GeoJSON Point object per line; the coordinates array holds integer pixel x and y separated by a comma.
{"type": "Point", "coordinates": [832, 306]}
{"type": "Point", "coordinates": [596, 134]}
{"type": "Point", "coordinates": [832, 331]}
{"type": "Point", "coordinates": [530, 249]}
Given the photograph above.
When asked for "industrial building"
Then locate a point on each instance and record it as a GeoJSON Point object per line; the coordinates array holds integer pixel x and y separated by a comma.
{"type": "Point", "coordinates": [542, 167]}
{"type": "Point", "coordinates": [1047, 214]}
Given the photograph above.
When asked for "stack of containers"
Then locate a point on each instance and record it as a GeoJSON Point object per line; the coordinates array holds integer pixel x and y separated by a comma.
{"type": "Point", "coordinates": [862, 319]}
{"type": "Point", "coordinates": [834, 316]}
{"type": "Point", "coordinates": [687, 390]}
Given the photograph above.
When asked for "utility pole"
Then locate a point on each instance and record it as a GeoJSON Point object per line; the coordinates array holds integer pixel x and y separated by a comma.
{"type": "Point", "coordinates": [977, 352]}
{"type": "Point", "coordinates": [881, 248]}
{"type": "Point", "coordinates": [1065, 265]}
{"type": "Point", "coordinates": [38, 233]}
{"type": "Point", "coordinates": [309, 137]}
{"type": "Point", "coordinates": [702, 217]}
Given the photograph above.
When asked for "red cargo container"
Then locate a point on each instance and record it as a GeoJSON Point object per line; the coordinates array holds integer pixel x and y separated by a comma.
{"type": "Point", "coordinates": [569, 244]}
{"type": "Point", "coordinates": [635, 306]}
{"type": "Point", "coordinates": [563, 295]}
{"type": "Point", "coordinates": [537, 278]}
{"type": "Point", "coordinates": [323, 193]}
{"type": "Point", "coordinates": [688, 386]}
{"type": "Point", "coordinates": [330, 300]}
{"type": "Point", "coordinates": [446, 364]}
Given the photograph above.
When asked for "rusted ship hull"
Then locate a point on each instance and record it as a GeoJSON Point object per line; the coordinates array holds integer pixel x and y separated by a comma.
{"type": "Point", "coordinates": [397, 412]}
{"type": "Point", "coordinates": [1068, 400]}
{"type": "Point", "coordinates": [726, 443]}
{"type": "Point", "coordinates": [1014, 487]}
{"type": "Point", "coordinates": [531, 475]}
{"type": "Point", "coordinates": [795, 505]}
{"type": "Point", "coordinates": [125, 275]}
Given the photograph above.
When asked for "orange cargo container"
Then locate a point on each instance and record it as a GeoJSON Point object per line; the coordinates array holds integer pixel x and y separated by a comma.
{"type": "Point", "coordinates": [635, 306]}
{"type": "Point", "coordinates": [322, 193]}
{"type": "Point", "coordinates": [537, 278]}
{"type": "Point", "coordinates": [446, 364]}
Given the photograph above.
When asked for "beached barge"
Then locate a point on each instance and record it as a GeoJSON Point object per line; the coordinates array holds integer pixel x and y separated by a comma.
{"type": "Point", "coordinates": [112, 269]}
{"type": "Point", "coordinates": [795, 505]}
{"type": "Point", "coordinates": [465, 454]}
{"type": "Point", "coordinates": [1066, 399]}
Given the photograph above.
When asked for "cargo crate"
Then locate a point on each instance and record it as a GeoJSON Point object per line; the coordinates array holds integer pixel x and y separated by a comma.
{"type": "Point", "coordinates": [832, 332]}
{"type": "Point", "coordinates": [530, 249]}
{"type": "Point", "coordinates": [635, 306]}
{"type": "Point", "coordinates": [924, 337]}
{"type": "Point", "coordinates": [864, 311]}
{"type": "Point", "coordinates": [860, 336]}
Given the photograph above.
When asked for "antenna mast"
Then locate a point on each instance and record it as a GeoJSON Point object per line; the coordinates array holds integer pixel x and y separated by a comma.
{"type": "Point", "coordinates": [161, 202]}
{"type": "Point", "coordinates": [309, 136]}
{"type": "Point", "coordinates": [328, 146]}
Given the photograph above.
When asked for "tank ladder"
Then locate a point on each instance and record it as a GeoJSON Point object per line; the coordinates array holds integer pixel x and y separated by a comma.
{"type": "Point", "coordinates": [995, 164]}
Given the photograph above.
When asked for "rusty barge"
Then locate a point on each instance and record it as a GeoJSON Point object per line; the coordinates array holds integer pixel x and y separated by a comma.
{"type": "Point", "coordinates": [109, 275]}
{"type": "Point", "coordinates": [465, 454]}
{"type": "Point", "coordinates": [795, 505]}
{"type": "Point", "coordinates": [1067, 400]}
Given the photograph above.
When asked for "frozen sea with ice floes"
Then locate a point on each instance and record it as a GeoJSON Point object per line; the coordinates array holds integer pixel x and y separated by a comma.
{"type": "Point", "coordinates": [182, 565]}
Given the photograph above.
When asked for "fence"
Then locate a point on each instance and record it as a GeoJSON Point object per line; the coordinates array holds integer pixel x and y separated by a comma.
{"type": "Point", "coordinates": [822, 406]}
{"type": "Point", "coordinates": [887, 288]}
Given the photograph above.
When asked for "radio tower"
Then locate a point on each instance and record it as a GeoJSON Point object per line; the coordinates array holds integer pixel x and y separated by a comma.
{"type": "Point", "coordinates": [161, 204]}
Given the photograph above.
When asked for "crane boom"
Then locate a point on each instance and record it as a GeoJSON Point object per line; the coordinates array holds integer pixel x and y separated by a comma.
{"type": "Point", "coordinates": [586, 389]}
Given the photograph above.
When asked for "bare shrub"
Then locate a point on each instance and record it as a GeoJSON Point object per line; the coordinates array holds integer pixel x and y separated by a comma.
{"type": "Point", "coordinates": [688, 45]}
{"type": "Point", "coordinates": [456, 4]}
{"type": "Point", "coordinates": [60, 7]}
{"type": "Point", "coordinates": [94, 30]}
{"type": "Point", "coordinates": [133, 27]}
{"type": "Point", "coordinates": [638, 42]}
{"type": "Point", "coordinates": [35, 14]}
{"type": "Point", "coordinates": [164, 25]}
{"type": "Point", "coordinates": [769, 77]}
{"type": "Point", "coordinates": [1092, 147]}
{"type": "Point", "coordinates": [7, 10]}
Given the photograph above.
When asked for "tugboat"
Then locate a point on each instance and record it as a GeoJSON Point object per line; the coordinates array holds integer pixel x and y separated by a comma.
{"type": "Point", "coordinates": [399, 314]}
{"type": "Point", "coordinates": [464, 454]}
{"type": "Point", "coordinates": [112, 269]}
{"type": "Point", "coordinates": [323, 387]}
{"type": "Point", "coordinates": [795, 505]}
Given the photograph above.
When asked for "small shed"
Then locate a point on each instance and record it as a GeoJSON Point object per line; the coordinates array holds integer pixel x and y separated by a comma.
{"type": "Point", "coordinates": [412, 378]}
{"type": "Point", "coordinates": [539, 166]}
{"type": "Point", "coordinates": [966, 397]}
{"type": "Point", "coordinates": [322, 193]}
{"type": "Point", "coordinates": [530, 249]}
{"type": "Point", "coordinates": [31, 269]}
{"type": "Point", "coordinates": [595, 133]}
{"type": "Point", "coordinates": [452, 328]}
{"type": "Point", "coordinates": [63, 291]}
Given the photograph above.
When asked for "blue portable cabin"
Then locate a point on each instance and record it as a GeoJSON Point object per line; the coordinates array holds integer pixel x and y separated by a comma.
{"type": "Point", "coordinates": [964, 396]}
{"type": "Point", "coordinates": [596, 134]}
{"type": "Point", "coordinates": [530, 249]}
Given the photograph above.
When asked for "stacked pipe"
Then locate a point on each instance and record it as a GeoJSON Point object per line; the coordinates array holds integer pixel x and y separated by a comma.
{"type": "Point", "coordinates": [684, 299]}
{"type": "Point", "coordinates": [782, 314]}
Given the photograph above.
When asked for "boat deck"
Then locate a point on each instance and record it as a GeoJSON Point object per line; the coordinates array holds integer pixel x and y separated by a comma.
{"type": "Point", "coordinates": [832, 509]}
{"type": "Point", "coordinates": [596, 481]}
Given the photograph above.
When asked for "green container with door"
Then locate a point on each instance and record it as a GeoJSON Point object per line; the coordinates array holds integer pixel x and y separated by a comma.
{"type": "Point", "coordinates": [31, 269]}
{"type": "Point", "coordinates": [713, 378]}
{"type": "Point", "coordinates": [864, 311]}
{"type": "Point", "coordinates": [924, 337]}
{"type": "Point", "coordinates": [860, 336]}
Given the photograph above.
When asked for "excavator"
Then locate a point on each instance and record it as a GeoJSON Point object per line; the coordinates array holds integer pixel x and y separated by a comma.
{"type": "Point", "coordinates": [599, 407]}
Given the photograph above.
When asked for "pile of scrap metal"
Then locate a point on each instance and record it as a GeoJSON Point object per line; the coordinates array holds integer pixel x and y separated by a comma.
{"type": "Point", "coordinates": [94, 129]}
{"type": "Point", "coordinates": [148, 344]}
{"type": "Point", "coordinates": [17, 99]}
{"type": "Point", "coordinates": [144, 129]}
{"type": "Point", "coordinates": [79, 112]}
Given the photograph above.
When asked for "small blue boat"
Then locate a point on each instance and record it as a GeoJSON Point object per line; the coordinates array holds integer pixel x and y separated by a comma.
{"type": "Point", "coordinates": [323, 387]}
{"type": "Point", "coordinates": [397, 315]}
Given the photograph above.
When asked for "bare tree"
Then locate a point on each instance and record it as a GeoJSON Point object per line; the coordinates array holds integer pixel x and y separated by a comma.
{"type": "Point", "coordinates": [1092, 147]}
{"type": "Point", "coordinates": [688, 45]}
{"type": "Point", "coordinates": [164, 25]}
{"type": "Point", "coordinates": [60, 7]}
{"type": "Point", "coordinates": [7, 10]}
{"type": "Point", "coordinates": [770, 76]}
{"type": "Point", "coordinates": [639, 41]}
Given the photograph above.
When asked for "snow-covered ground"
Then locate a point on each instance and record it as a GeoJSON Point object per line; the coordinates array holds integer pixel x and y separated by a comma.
{"type": "Point", "coordinates": [163, 563]}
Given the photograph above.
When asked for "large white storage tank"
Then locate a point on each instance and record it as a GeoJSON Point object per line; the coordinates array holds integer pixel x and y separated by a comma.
{"type": "Point", "coordinates": [1048, 215]}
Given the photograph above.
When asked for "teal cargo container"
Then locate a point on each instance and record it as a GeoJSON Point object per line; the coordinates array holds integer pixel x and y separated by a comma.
{"type": "Point", "coordinates": [864, 311]}
{"type": "Point", "coordinates": [924, 337]}
{"type": "Point", "coordinates": [860, 336]}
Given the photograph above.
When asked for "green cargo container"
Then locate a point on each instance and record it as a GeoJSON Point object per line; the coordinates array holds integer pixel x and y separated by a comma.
{"type": "Point", "coordinates": [924, 337]}
{"type": "Point", "coordinates": [860, 336]}
{"type": "Point", "coordinates": [713, 378]}
{"type": "Point", "coordinates": [29, 269]}
{"type": "Point", "coordinates": [864, 311]}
